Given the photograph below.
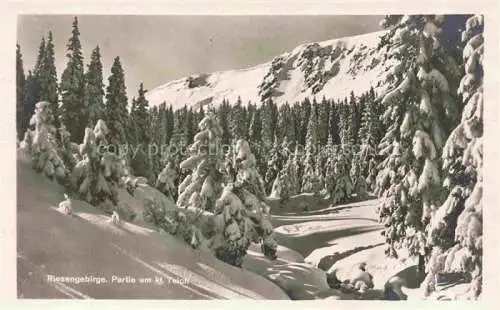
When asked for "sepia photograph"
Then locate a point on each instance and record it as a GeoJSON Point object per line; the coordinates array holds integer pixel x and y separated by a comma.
{"type": "Point", "coordinates": [275, 157]}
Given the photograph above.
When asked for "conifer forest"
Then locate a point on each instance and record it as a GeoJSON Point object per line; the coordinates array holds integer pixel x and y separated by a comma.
{"type": "Point", "coordinates": [344, 169]}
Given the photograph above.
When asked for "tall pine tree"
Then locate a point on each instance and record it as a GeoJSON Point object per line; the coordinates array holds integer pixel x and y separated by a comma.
{"type": "Point", "coordinates": [73, 112]}
{"type": "Point", "coordinates": [20, 82]}
{"type": "Point", "coordinates": [94, 89]}
{"type": "Point", "coordinates": [333, 126]}
{"type": "Point", "coordinates": [116, 113]}
{"type": "Point", "coordinates": [48, 79]}
{"type": "Point", "coordinates": [237, 121]}
{"type": "Point", "coordinates": [368, 131]}
{"type": "Point", "coordinates": [139, 114]}
{"type": "Point", "coordinates": [323, 115]}
{"type": "Point", "coordinates": [30, 98]}
{"type": "Point", "coordinates": [32, 87]}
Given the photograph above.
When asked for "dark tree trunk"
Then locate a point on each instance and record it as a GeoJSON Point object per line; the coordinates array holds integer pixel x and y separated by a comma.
{"type": "Point", "coordinates": [420, 269]}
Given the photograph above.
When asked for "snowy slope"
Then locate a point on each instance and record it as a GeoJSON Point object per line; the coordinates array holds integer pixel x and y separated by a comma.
{"type": "Point", "coordinates": [331, 68]}
{"type": "Point", "coordinates": [87, 244]}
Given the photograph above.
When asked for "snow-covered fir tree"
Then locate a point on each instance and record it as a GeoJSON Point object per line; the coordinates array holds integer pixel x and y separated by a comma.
{"type": "Point", "coordinates": [368, 130]}
{"type": "Point", "coordinates": [329, 171]}
{"type": "Point", "coordinates": [365, 159]}
{"type": "Point", "coordinates": [323, 122]}
{"type": "Point", "coordinates": [286, 183]}
{"type": "Point", "coordinates": [241, 216]}
{"type": "Point", "coordinates": [455, 229]}
{"type": "Point", "coordinates": [338, 181]}
{"type": "Point", "coordinates": [368, 135]}
{"type": "Point", "coordinates": [202, 186]}
{"type": "Point", "coordinates": [278, 190]}
{"type": "Point", "coordinates": [274, 165]}
{"type": "Point", "coordinates": [291, 169]}
{"type": "Point", "coordinates": [310, 178]}
{"type": "Point", "coordinates": [269, 117]}
{"type": "Point", "coordinates": [98, 175]}
{"type": "Point", "coordinates": [353, 118]}
{"type": "Point", "coordinates": [286, 124]}
{"type": "Point", "coordinates": [40, 144]}
{"type": "Point", "coordinates": [418, 109]}
{"type": "Point", "coordinates": [346, 124]}
{"type": "Point", "coordinates": [320, 162]}
{"type": "Point", "coordinates": [190, 127]}
{"type": "Point", "coordinates": [298, 163]}
{"type": "Point", "coordinates": [357, 175]}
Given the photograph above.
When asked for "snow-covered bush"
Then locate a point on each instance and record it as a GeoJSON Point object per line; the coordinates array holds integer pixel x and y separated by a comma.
{"type": "Point", "coordinates": [99, 173]}
{"type": "Point", "coordinates": [129, 181]}
{"type": "Point", "coordinates": [361, 279]}
{"type": "Point", "coordinates": [177, 222]}
{"type": "Point", "coordinates": [455, 228]}
{"type": "Point", "coordinates": [41, 146]}
{"type": "Point", "coordinates": [165, 182]}
{"type": "Point", "coordinates": [155, 213]}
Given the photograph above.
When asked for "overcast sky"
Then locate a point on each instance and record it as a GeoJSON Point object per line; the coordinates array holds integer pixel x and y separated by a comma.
{"type": "Point", "coordinates": [158, 49]}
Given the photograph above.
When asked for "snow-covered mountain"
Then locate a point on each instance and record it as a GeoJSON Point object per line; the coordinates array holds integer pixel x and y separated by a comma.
{"type": "Point", "coordinates": [331, 68]}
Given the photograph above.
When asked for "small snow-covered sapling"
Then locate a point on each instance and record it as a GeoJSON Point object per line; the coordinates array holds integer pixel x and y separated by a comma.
{"type": "Point", "coordinates": [115, 218]}
{"type": "Point", "coordinates": [65, 206]}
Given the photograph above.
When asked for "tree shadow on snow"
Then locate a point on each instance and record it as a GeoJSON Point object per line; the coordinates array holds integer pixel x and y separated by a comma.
{"type": "Point", "coordinates": [328, 261]}
{"type": "Point", "coordinates": [306, 244]}
{"type": "Point", "coordinates": [277, 222]}
{"type": "Point", "coordinates": [332, 210]}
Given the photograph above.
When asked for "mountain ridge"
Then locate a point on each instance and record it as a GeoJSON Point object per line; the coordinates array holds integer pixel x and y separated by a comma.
{"type": "Point", "coordinates": [331, 68]}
